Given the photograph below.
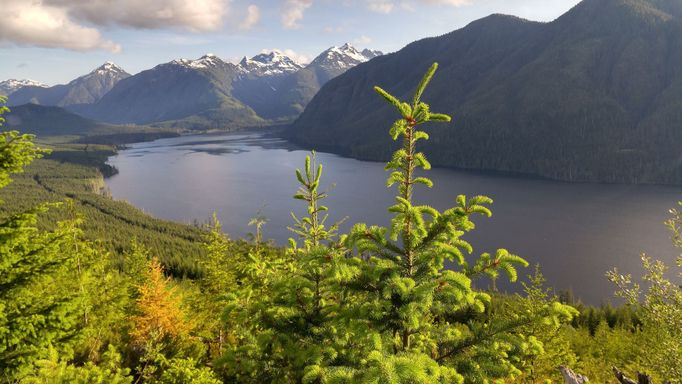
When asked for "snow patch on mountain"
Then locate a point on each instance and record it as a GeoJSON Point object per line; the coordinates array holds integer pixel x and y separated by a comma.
{"type": "Point", "coordinates": [344, 57]}
{"type": "Point", "coordinates": [207, 61]}
{"type": "Point", "coordinates": [108, 68]}
{"type": "Point", "coordinates": [269, 64]}
{"type": "Point", "coordinates": [10, 86]}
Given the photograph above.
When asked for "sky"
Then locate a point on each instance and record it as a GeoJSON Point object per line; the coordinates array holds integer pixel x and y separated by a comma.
{"type": "Point", "coordinates": [55, 41]}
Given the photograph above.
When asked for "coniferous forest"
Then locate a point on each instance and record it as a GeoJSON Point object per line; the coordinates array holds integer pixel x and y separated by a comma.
{"type": "Point", "coordinates": [94, 291]}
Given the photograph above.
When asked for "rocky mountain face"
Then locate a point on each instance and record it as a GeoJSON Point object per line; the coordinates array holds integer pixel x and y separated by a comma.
{"type": "Point", "coordinates": [277, 87]}
{"type": "Point", "coordinates": [298, 89]}
{"type": "Point", "coordinates": [593, 96]}
{"type": "Point", "coordinates": [86, 89]}
{"type": "Point", "coordinates": [260, 80]}
{"type": "Point", "coordinates": [273, 63]}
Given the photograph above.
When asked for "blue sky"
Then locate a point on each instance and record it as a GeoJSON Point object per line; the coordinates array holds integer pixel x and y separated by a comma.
{"type": "Point", "coordinates": [55, 41]}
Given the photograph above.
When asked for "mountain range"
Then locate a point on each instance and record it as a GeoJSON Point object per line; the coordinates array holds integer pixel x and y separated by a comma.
{"type": "Point", "coordinates": [197, 94]}
{"type": "Point", "coordinates": [595, 95]}
{"type": "Point", "coordinates": [86, 89]}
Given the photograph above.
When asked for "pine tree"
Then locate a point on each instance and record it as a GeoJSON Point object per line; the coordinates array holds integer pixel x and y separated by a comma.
{"type": "Point", "coordinates": [307, 298]}
{"type": "Point", "coordinates": [41, 303]}
{"type": "Point", "coordinates": [54, 370]}
{"type": "Point", "coordinates": [546, 337]}
{"type": "Point", "coordinates": [660, 309]}
{"type": "Point", "coordinates": [16, 150]}
{"type": "Point", "coordinates": [425, 323]}
{"type": "Point", "coordinates": [159, 306]}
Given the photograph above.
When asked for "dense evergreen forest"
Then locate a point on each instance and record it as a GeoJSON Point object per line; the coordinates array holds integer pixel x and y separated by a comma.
{"type": "Point", "coordinates": [94, 291]}
{"type": "Point", "coordinates": [591, 96]}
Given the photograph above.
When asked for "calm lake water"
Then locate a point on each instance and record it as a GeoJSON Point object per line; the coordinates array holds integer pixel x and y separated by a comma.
{"type": "Point", "coordinates": [575, 231]}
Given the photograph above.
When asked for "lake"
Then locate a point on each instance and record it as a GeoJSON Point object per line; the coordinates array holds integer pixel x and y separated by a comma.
{"type": "Point", "coordinates": [576, 232]}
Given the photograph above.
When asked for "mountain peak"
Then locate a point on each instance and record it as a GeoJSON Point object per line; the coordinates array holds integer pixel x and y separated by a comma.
{"type": "Point", "coordinates": [344, 57]}
{"type": "Point", "coordinates": [108, 67]}
{"type": "Point", "coordinates": [206, 61]}
{"type": "Point", "coordinates": [270, 63]}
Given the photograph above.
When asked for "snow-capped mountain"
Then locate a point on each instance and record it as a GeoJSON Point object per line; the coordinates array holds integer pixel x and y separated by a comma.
{"type": "Point", "coordinates": [343, 58]}
{"type": "Point", "coordinates": [208, 61]}
{"type": "Point", "coordinates": [108, 69]}
{"type": "Point", "coordinates": [276, 86]}
{"type": "Point", "coordinates": [203, 92]}
{"type": "Point", "coordinates": [91, 87]}
{"type": "Point", "coordinates": [86, 89]}
{"type": "Point", "coordinates": [10, 86]}
{"type": "Point", "coordinates": [269, 64]}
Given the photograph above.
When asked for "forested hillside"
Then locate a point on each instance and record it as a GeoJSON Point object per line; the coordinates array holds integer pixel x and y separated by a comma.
{"type": "Point", "coordinates": [591, 96]}
{"type": "Point", "coordinates": [50, 122]}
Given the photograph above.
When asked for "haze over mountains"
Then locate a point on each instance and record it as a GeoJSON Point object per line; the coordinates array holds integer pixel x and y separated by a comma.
{"type": "Point", "coordinates": [595, 95]}
{"type": "Point", "coordinates": [198, 94]}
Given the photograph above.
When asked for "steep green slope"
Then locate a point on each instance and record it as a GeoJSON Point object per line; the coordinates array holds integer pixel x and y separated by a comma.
{"type": "Point", "coordinates": [594, 95]}
{"type": "Point", "coordinates": [51, 121]}
{"type": "Point", "coordinates": [55, 121]}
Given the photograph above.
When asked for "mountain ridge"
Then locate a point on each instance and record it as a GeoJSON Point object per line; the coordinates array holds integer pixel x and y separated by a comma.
{"type": "Point", "coordinates": [86, 89]}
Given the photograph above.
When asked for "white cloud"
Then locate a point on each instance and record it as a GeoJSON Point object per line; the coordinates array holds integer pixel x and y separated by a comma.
{"type": "Point", "coordinates": [33, 23]}
{"type": "Point", "coordinates": [380, 6]}
{"type": "Point", "coordinates": [388, 6]}
{"type": "Point", "coordinates": [252, 17]}
{"type": "Point", "coordinates": [300, 58]}
{"type": "Point", "coordinates": [454, 3]}
{"type": "Point", "coordinates": [72, 24]}
{"type": "Point", "coordinates": [297, 57]}
{"type": "Point", "coordinates": [362, 40]}
{"type": "Point", "coordinates": [292, 12]}
{"type": "Point", "coordinates": [329, 29]}
{"type": "Point", "coordinates": [194, 15]}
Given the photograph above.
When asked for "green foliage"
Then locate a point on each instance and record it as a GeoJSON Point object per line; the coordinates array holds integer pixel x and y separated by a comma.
{"type": "Point", "coordinates": [182, 371]}
{"type": "Point", "coordinates": [16, 150]}
{"type": "Point", "coordinates": [52, 370]}
{"type": "Point", "coordinates": [543, 343]}
{"type": "Point", "coordinates": [407, 299]}
{"type": "Point", "coordinates": [75, 172]}
{"type": "Point", "coordinates": [378, 305]}
{"type": "Point", "coordinates": [43, 295]}
{"type": "Point", "coordinates": [36, 313]}
{"type": "Point", "coordinates": [660, 308]}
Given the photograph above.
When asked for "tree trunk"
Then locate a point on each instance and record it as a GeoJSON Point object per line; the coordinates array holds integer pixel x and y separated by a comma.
{"type": "Point", "coordinates": [571, 377]}
{"type": "Point", "coordinates": [641, 378]}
